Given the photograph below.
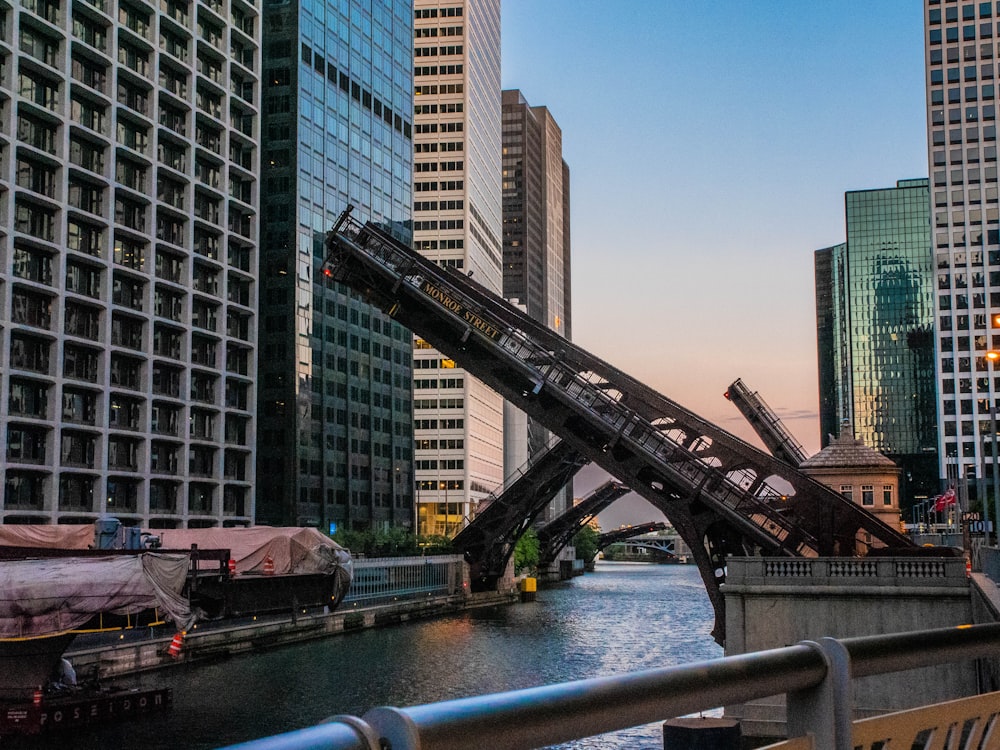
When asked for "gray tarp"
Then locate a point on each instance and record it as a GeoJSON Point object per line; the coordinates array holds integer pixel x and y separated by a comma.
{"type": "Point", "coordinates": [52, 595]}
{"type": "Point", "coordinates": [290, 549]}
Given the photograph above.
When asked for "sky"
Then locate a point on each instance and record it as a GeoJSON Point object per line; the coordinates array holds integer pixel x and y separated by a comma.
{"type": "Point", "coordinates": [710, 146]}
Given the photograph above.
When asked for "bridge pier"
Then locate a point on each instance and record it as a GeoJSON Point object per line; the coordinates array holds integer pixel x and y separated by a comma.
{"type": "Point", "coordinates": [774, 602]}
{"type": "Point", "coordinates": [564, 567]}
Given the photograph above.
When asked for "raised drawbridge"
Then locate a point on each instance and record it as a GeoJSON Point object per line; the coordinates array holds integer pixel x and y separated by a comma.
{"type": "Point", "coordinates": [722, 495]}
{"type": "Point", "coordinates": [766, 423]}
{"type": "Point", "coordinates": [487, 543]}
{"type": "Point", "coordinates": [559, 532]}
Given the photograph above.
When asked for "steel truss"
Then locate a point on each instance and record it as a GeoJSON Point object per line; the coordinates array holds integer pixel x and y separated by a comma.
{"type": "Point", "coordinates": [721, 494]}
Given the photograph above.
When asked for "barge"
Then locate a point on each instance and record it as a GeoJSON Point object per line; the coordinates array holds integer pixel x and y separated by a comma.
{"type": "Point", "coordinates": [56, 584]}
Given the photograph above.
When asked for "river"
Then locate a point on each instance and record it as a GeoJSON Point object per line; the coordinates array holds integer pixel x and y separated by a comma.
{"type": "Point", "coordinates": [623, 617]}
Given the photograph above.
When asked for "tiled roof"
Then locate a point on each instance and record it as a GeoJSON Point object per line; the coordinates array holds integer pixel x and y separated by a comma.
{"type": "Point", "coordinates": [846, 452]}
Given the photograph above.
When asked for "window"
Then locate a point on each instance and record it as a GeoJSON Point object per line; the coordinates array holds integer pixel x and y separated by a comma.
{"type": "Point", "coordinates": [867, 495]}
{"type": "Point", "coordinates": [887, 494]}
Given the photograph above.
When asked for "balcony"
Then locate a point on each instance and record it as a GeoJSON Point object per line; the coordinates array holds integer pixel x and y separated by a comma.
{"type": "Point", "coordinates": [234, 501]}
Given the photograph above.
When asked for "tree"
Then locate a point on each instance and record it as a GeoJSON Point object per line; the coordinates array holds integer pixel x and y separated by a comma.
{"type": "Point", "coordinates": [585, 542]}
{"type": "Point", "coordinates": [526, 553]}
{"type": "Point", "coordinates": [392, 542]}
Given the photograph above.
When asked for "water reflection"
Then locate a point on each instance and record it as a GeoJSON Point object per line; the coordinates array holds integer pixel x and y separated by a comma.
{"type": "Point", "coordinates": [624, 617]}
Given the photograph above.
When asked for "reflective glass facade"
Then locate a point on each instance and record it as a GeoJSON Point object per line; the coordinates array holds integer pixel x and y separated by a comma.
{"type": "Point", "coordinates": [832, 339]}
{"type": "Point", "coordinates": [961, 52]}
{"type": "Point", "coordinates": [876, 343]}
{"type": "Point", "coordinates": [335, 374]}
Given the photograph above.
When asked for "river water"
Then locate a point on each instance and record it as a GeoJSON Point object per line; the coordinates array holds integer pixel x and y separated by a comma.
{"type": "Point", "coordinates": [623, 617]}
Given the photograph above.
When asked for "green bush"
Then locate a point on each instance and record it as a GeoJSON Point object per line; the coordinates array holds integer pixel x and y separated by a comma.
{"type": "Point", "coordinates": [526, 553]}
{"type": "Point", "coordinates": [585, 542]}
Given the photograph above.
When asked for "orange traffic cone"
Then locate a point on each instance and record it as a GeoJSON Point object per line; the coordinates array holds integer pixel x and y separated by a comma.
{"type": "Point", "coordinates": [968, 568]}
{"type": "Point", "coordinates": [37, 697]}
{"type": "Point", "coordinates": [175, 645]}
{"type": "Point", "coordinates": [268, 566]}
{"type": "Point", "coordinates": [232, 566]}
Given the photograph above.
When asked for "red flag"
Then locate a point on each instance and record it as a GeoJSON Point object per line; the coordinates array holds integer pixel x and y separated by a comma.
{"type": "Point", "coordinates": [945, 501]}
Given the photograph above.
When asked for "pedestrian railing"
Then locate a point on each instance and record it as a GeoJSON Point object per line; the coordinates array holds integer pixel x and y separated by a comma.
{"type": "Point", "coordinates": [384, 580]}
{"type": "Point", "coordinates": [815, 677]}
{"type": "Point", "coordinates": [964, 724]}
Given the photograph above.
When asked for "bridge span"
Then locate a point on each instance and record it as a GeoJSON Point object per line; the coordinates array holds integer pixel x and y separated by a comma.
{"type": "Point", "coordinates": [724, 496]}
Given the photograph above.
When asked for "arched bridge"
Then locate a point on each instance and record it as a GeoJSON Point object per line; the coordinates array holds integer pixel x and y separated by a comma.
{"type": "Point", "coordinates": [721, 494]}
{"type": "Point", "coordinates": [628, 532]}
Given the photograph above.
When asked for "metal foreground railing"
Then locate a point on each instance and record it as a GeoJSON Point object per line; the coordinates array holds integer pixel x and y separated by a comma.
{"type": "Point", "coordinates": [815, 676]}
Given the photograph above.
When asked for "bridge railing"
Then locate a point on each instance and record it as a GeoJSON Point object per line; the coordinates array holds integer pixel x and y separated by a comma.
{"type": "Point", "coordinates": [815, 677]}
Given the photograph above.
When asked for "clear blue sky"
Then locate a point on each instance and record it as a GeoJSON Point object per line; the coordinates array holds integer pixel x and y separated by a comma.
{"type": "Point", "coordinates": [710, 146]}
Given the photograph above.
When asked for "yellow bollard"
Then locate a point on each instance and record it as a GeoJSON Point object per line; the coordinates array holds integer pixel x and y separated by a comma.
{"type": "Point", "coordinates": [529, 589]}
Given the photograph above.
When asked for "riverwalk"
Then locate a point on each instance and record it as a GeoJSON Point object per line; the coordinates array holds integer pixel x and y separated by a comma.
{"type": "Point", "coordinates": [385, 592]}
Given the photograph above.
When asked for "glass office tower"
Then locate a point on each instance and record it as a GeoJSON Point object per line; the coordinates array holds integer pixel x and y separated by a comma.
{"type": "Point", "coordinates": [458, 421]}
{"type": "Point", "coordinates": [336, 432]}
{"type": "Point", "coordinates": [128, 260]}
{"type": "Point", "coordinates": [875, 314]}
{"type": "Point", "coordinates": [961, 50]}
{"type": "Point", "coordinates": [536, 249]}
{"type": "Point", "coordinates": [832, 340]}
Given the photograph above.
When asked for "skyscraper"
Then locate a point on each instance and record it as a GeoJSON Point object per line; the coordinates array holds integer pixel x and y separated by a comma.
{"type": "Point", "coordinates": [830, 270]}
{"type": "Point", "coordinates": [536, 247]}
{"type": "Point", "coordinates": [875, 316]}
{"type": "Point", "coordinates": [128, 236]}
{"type": "Point", "coordinates": [336, 435]}
{"type": "Point", "coordinates": [961, 51]}
{"type": "Point", "coordinates": [458, 421]}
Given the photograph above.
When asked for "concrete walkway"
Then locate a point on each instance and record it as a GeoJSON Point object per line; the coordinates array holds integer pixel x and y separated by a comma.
{"type": "Point", "coordinates": [117, 653]}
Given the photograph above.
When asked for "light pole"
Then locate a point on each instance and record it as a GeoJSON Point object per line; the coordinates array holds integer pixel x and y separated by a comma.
{"type": "Point", "coordinates": [991, 356]}
{"type": "Point", "coordinates": [447, 506]}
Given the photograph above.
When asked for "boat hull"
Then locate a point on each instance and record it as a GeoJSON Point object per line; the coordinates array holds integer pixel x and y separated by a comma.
{"type": "Point", "coordinates": [77, 709]}
{"type": "Point", "coordinates": [27, 664]}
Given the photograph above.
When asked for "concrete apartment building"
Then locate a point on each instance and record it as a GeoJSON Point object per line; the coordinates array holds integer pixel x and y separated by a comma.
{"type": "Point", "coordinates": [457, 221]}
{"type": "Point", "coordinates": [336, 432]}
{"type": "Point", "coordinates": [961, 49]}
{"type": "Point", "coordinates": [128, 261]}
{"type": "Point", "coordinates": [536, 249]}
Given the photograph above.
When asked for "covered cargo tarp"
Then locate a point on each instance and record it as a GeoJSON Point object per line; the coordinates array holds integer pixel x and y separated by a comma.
{"type": "Point", "coordinates": [48, 536]}
{"type": "Point", "coordinates": [45, 596]}
{"type": "Point", "coordinates": [290, 549]}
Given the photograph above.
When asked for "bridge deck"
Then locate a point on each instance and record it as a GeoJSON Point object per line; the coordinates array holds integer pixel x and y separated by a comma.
{"type": "Point", "coordinates": [721, 494]}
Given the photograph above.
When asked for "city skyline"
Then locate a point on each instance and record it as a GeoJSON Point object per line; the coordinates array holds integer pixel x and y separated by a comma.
{"type": "Point", "coordinates": [761, 153]}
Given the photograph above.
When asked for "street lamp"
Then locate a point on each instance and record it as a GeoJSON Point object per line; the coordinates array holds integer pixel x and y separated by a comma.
{"type": "Point", "coordinates": [991, 356]}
